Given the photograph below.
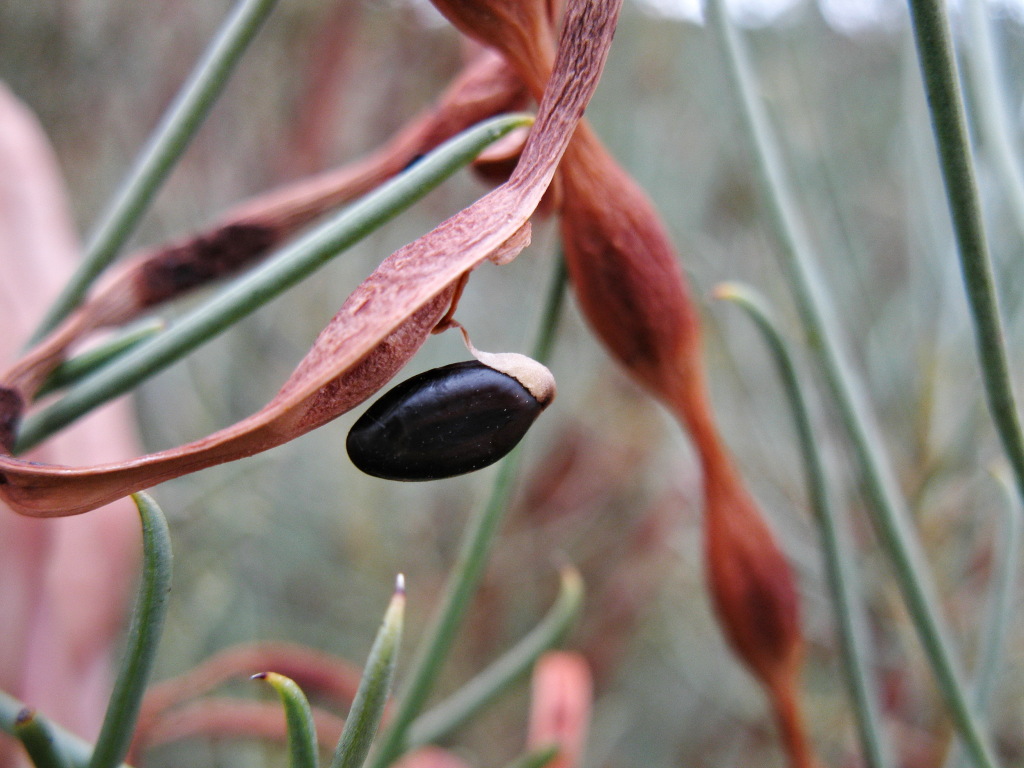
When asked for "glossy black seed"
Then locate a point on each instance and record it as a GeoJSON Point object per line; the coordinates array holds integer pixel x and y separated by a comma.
{"type": "Point", "coordinates": [442, 423]}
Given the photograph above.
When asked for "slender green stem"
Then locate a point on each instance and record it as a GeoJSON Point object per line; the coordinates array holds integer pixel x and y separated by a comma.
{"type": "Point", "coordinates": [942, 86]}
{"type": "Point", "coordinates": [143, 638]}
{"type": "Point", "coordinates": [888, 510]}
{"type": "Point", "coordinates": [999, 609]}
{"type": "Point", "coordinates": [993, 119]}
{"type": "Point", "coordinates": [843, 582]}
{"type": "Point", "coordinates": [553, 304]}
{"type": "Point", "coordinates": [39, 740]}
{"type": "Point", "coordinates": [302, 743]}
{"type": "Point", "coordinates": [465, 576]}
{"type": "Point", "coordinates": [267, 281]}
{"type": "Point", "coordinates": [77, 368]}
{"type": "Point", "coordinates": [161, 153]}
{"type": "Point", "coordinates": [496, 678]}
{"type": "Point", "coordinates": [374, 688]}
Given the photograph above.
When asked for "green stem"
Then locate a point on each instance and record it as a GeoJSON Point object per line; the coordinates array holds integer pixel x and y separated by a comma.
{"type": "Point", "coordinates": [999, 609]}
{"type": "Point", "coordinates": [844, 585]}
{"type": "Point", "coordinates": [77, 368]}
{"type": "Point", "coordinates": [992, 118]}
{"type": "Point", "coordinates": [39, 740]}
{"type": "Point", "coordinates": [888, 510]}
{"type": "Point", "coordinates": [161, 153]}
{"type": "Point", "coordinates": [941, 79]}
{"type": "Point", "coordinates": [553, 304]}
{"type": "Point", "coordinates": [267, 281]}
{"type": "Point", "coordinates": [143, 638]}
{"type": "Point", "coordinates": [75, 749]}
{"type": "Point", "coordinates": [496, 678]}
{"type": "Point", "coordinates": [469, 566]}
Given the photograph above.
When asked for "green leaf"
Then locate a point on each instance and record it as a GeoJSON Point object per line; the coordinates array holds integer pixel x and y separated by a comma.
{"type": "Point", "coordinates": [143, 638]}
{"type": "Point", "coordinates": [302, 745]}
{"type": "Point", "coordinates": [368, 706]}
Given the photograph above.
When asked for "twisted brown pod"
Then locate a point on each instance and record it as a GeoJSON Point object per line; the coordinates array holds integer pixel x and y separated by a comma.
{"type": "Point", "coordinates": [385, 319]}
{"type": "Point", "coordinates": [628, 282]}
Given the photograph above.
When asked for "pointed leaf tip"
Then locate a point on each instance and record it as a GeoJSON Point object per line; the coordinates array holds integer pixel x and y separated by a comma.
{"type": "Point", "coordinates": [400, 584]}
{"type": "Point", "coordinates": [302, 741]}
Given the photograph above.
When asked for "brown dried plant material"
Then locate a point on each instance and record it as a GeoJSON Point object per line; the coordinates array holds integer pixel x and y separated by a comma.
{"type": "Point", "coordinates": [246, 233]}
{"type": "Point", "coordinates": [754, 594]}
{"type": "Point", "coordinates": [520, 29]}
{"type": "Point", "coordinates": [560, 703]}
{"type": "Point", "coordinates": [381, 324]}
{"type": "Point", "coordinates": [628, 282]}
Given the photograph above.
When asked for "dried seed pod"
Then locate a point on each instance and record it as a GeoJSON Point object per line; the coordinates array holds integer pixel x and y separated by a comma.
{"type": "Point", "coordinates": [451, 420]}
{"type": "Point", "coordinates": [362, 335]}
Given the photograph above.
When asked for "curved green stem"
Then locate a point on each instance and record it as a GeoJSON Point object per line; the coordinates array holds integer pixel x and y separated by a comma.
{"type": "Point", "coordinates": [143, 638]}
{"type": "Point", "coordinates": [496, 678]}
{"type": "Point", "coordinates": [302, 744]}
{"type": "Point", "coordinates": [161, 153]}
{"type": "Point", "coordinates": [888, 510]}
{"type": "Point", "coordinates": [39, 740]}
{"type": "Point", "coordinates": [844, 585]}
{"type": "Point", "coordinates": [75, 749]}
{"type": "Point", "coordinates": [267, 281]}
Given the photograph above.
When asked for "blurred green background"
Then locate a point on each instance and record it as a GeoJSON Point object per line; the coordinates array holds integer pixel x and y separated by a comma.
{"type": "Point", "coordinates": [296, 544]}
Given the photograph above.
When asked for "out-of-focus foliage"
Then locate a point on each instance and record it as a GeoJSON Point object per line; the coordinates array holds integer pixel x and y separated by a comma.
{"type": "Point", "coordinates": [602, 487]}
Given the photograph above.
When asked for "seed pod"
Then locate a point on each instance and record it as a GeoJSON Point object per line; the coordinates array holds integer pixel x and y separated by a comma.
{"type": "Point", "coordinates": [451, 420]}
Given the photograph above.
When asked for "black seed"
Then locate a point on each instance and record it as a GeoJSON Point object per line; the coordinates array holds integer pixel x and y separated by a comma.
{"type": "Point", "coordinates": [442, 423]}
